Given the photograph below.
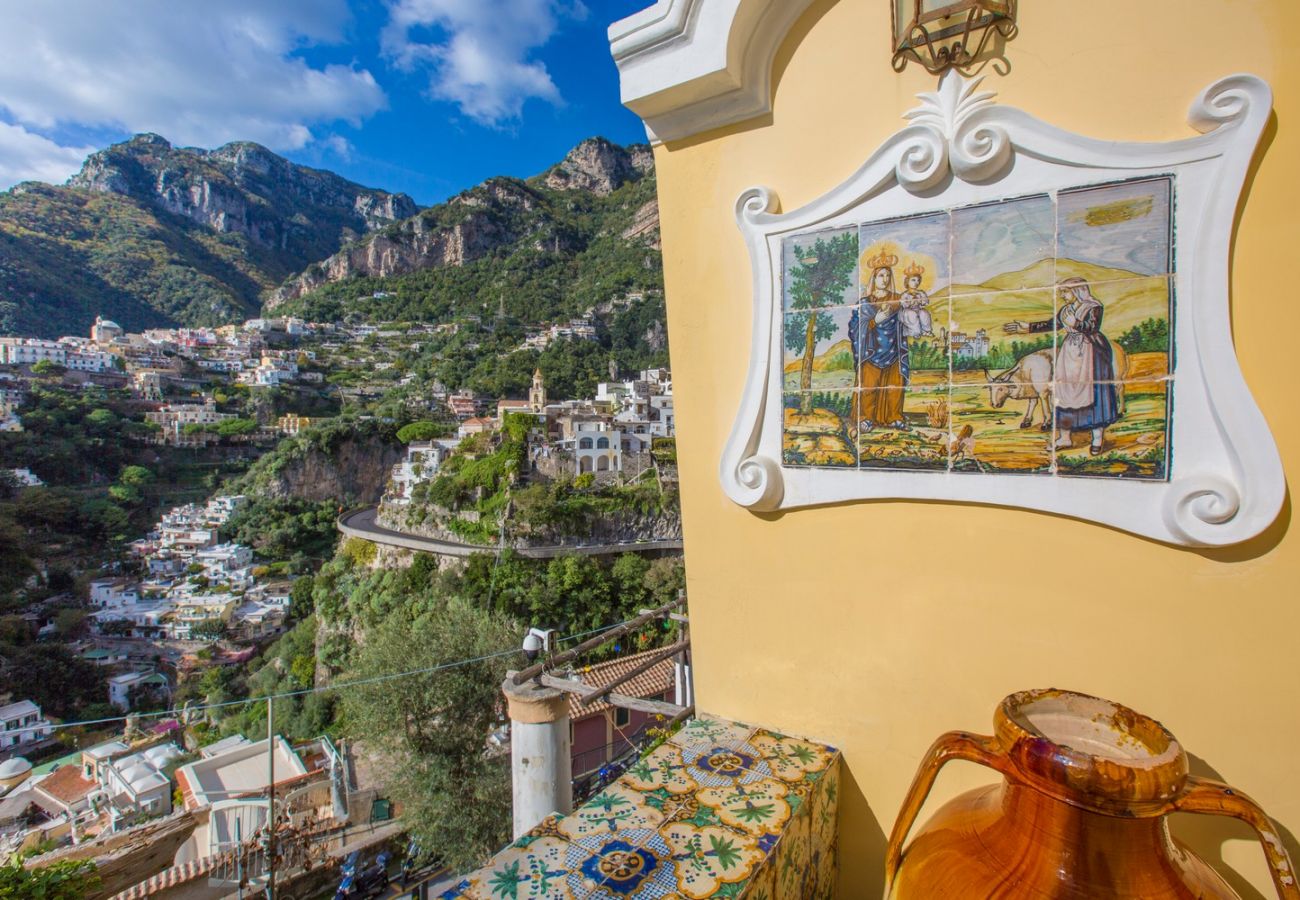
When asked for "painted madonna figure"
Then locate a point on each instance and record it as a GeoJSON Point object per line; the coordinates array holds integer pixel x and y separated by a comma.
{"type": "Point", "coordinates": [879, 351]}
{"type": "Point", "coordinates": [1085, 370]}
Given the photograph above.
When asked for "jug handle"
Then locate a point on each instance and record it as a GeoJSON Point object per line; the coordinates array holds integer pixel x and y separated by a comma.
{"type": "Point", "coordinates": [961, 745]}
{"type": "Point", "coordinates": [1215, 798]}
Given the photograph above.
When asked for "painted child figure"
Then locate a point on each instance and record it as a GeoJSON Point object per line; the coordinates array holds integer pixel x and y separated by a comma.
{"type": "Point", "coordinates": [915, 316]}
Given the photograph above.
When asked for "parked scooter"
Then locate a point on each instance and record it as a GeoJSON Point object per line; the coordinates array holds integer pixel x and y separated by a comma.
{"type": "Point", "coordinates": [366, 882]}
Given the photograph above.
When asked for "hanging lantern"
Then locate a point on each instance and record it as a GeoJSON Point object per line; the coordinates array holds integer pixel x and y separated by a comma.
{"type": "Point", "coordinates": [940, 34]}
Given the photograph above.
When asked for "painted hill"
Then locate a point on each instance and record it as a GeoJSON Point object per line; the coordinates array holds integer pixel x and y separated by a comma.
{"type": "Point", "coordinates": [1129, 298]}
{"type": "Point", "coordinates": [150, 234]}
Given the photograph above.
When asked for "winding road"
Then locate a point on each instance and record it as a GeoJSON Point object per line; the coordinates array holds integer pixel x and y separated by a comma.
{"type": "Point", "coordinates": [360, 523]}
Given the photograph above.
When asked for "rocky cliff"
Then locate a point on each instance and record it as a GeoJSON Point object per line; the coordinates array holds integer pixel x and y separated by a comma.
{"type": "Point", "coordinates": [598, 190]}
{"type": "Point", "coordinates": [243, 188]}
{"type": "Point", "coordinates": [152, 235]}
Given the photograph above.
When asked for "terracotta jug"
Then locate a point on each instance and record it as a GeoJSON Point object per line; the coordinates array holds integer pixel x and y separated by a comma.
{"type": "Point", "coordinates": [1080, 812]}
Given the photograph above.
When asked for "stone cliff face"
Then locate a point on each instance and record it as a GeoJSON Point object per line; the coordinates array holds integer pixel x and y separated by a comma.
{"type": "Point", "coordinates": [353, 474]}
{"type": "Point", "coordinates": [496, 214]}
{"type": "Point", "coordinates": [470, 228]}
{"type": "Point", "coordinates": [600, 167]}
{"type": "Point", "coordinates": [243, 188]}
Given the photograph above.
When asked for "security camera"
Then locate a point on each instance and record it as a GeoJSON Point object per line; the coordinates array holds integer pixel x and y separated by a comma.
{"type": "Point", "coordinates": [537, 640]}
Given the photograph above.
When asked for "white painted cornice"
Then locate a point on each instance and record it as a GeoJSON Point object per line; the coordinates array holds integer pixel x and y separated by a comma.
{"type": "Point", "coordinates": [687, 66]}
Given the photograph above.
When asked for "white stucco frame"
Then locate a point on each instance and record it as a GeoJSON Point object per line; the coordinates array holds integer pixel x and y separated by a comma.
{"type": "Point", "coordinates": [1226, 482]}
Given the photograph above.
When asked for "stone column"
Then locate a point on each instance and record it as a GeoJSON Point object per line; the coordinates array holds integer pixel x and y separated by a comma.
{"type": "Point", "coordinates": [541, 762]}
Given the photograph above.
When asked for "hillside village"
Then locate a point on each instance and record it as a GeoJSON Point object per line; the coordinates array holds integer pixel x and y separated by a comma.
{"type": "Point", "coordinates": [185, 598]}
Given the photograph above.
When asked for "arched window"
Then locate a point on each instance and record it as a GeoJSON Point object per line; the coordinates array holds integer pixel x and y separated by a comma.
{"type": "Point", "coordinates": [584, 444]}
{"type": "Point", "coordinates": [602, 443]}
{"type": "Point", "coordinates": [602, 464]}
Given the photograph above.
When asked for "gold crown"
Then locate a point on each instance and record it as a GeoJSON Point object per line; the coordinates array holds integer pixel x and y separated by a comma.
{"type": "Point", "coordinates": [883, 261]}
{"type": "Point", "coordinates": [913, 269]}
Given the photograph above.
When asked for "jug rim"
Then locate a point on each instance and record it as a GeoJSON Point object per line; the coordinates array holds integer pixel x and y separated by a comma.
{"type": "Point", "coordinates": [1090, 752]}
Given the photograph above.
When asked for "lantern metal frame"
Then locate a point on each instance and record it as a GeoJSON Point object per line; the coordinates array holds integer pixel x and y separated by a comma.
{"type": "Point", "coordinates": [969, 22]}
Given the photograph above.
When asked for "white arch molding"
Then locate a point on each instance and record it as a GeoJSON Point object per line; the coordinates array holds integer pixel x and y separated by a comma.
{"type": "Point", "coordinates": [687, 66]}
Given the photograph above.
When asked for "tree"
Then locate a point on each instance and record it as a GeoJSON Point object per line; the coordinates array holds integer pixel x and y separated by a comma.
{"type": "Point", "coordinates": [423, 430]}
{"type": "Point", "coordinates": [45, 367]}
{"type": "Point", "coordinates": [819, 279]}
{"type": "Point", "coordinates": [208, 629]}
{"type": "Point", "coordinates": [69, 879]}
{"type": "Point", "coordinates": [135, 476]}
{"type": "Point", "coordinates": [430, 730]}
{"type": "Point", "coordinates": [300, 598]}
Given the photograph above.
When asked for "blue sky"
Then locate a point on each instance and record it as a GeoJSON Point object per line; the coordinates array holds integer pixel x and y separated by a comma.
{"type": "Point", "coordinates": [423, 96]}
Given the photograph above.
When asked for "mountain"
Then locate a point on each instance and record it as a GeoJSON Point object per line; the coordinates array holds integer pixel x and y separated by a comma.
{"type": "Point", "coordinates": [150, 235]}
{"type": "Point", "coordinates": [561, 243]}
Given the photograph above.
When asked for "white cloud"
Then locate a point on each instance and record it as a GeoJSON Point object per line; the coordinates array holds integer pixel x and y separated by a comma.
{"type": "Point", "coordinates": [479, 51]}
{"type": "Point", "coordinates": [29, 157]}
{"type": "Point", "coordinates": [200, 73]}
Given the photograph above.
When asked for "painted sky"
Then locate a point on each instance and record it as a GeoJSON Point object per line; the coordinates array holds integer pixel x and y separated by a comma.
{"type": "Point", "coordinates": [999, 238]}
{"type": "Point", "coordinates": [428, 97]}
{"type": "Point", "coordinates": [922, 240]}
{"type": "Point", "coordinates": [1122, 226]}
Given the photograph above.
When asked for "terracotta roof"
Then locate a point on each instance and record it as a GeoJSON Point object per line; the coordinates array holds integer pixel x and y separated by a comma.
{"type": "Point", "coordinates": [66, 785]}
{"type": "Point", "coordinates": [650, 684]}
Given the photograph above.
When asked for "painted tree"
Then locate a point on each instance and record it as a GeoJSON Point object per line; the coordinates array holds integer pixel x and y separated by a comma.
{"type": "Point", "coordinates": [819, 278]}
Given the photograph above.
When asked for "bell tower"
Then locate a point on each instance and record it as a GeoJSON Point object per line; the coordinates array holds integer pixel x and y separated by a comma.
{"type": "Point", "coordinates": [537, 393]}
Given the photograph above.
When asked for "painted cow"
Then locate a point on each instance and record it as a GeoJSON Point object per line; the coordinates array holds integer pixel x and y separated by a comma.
{"type": "Point", "coordinates": [1031, 379]}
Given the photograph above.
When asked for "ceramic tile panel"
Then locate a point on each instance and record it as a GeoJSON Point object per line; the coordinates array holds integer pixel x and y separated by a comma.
{"type": "Point", "coordinates": [816, 430]}
{"type": "Point", "coordinates": [973, 326]}
{"type": "Point", "coordinates": [819, 270]}
{"type": "Point", "coordinates": [1003, 427]}
{"type": "Point", "coordinates": [1136, 445]}
{"type": "Point", "coordinates": [903, 428]}
{"type": "Point", "coordinates": [719, 810]}
{"type": "Point", "coordinates": [1116, 231]}
{"type": "Point", "coordinates": [991, 334]}
{"type": "Point", "coordinates": [1008, 245]}
{"type": "Point", "coordinates": [1136, 319]}
{"type": "Point", "coordinates": [818, 350]}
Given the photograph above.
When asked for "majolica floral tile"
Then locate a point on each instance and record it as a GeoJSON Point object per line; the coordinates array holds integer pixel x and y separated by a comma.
{"type": "Point", "coordinates": [663, 769]}
{"type": "Point", "coordinates": [706, 730]}
{"type": "Point", "coordinates": [759, 807]}
{"type": "Point", "coordinates": [633, 863]}
{"type": "Point", "coordinates": [791, 758]}
{"type": "Point", "coordinates": [616, 808]}
{"type": "Point", "coordinates": [540, 870]}
{"type": "Point", "coordinates": [722, 810]}
{"type": "Point", "coordinates": [792, 858]}
{"type": "Point", "coordinates": [709, 858]}
{"type": "Point", "coordinates": [724, 766]}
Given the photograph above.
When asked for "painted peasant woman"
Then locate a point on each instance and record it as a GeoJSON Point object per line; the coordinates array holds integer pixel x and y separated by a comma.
{"type": "Point", "coordinates": [1086, 396]}
{"type": "Point", "coordinates": [881, 355]}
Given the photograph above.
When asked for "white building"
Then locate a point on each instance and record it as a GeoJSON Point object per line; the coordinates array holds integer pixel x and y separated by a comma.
{"type": "Point", "coordinates": [597, 448]}
{"type": "Point", "coordinates": [16, 351]}
{"type": "Point", "coordinates": [238, 771]}
{"type": "Point", "coordinates": [22, 723]}
{"type": "Point", "coordinates": [105, 331]}
{"type": "Point", "coordinates": [121, 686]}
{"type": "Point", "coordinates": [136, 783]}
{"type": "Point", "coordinates": [423, 459]}
{"type": "Point", "coordinates": [110, 592]}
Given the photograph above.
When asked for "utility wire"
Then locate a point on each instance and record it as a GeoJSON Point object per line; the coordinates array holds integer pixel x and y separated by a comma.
{"type": "Point", "coordinates": [319, 689]}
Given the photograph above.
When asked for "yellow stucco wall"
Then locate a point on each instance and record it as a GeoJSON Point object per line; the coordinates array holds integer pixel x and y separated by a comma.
{"type": "Point", "coordinates": [970, 603]}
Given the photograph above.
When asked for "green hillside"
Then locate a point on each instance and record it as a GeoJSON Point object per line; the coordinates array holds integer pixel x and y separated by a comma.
{"type": "Point", "coordinates": [149, 234]}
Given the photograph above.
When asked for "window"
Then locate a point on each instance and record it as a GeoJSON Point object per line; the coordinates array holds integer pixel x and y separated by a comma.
{"type": "Point", "coordinates": [584, 444]}
{"type": "Point", "coordinates": [602, 444]}
{"type": "Point", "coordinates": [622, 717]}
